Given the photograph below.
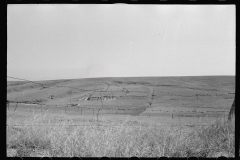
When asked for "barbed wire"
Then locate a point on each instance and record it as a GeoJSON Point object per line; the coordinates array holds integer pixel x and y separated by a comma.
{"type": "Point", "coordinates": [178, 125]}
{"type": "Point", "coordinates": [122, 109]}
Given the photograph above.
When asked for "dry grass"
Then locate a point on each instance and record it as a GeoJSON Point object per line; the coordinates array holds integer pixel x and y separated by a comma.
{"type": "Point", "coordinates": [122, 140]}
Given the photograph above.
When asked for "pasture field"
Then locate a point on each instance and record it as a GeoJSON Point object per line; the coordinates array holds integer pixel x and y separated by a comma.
{"type": "Point", "coordinates": [122, 117]}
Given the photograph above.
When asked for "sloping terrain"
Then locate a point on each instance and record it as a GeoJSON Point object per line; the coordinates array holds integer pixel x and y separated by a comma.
{"type": "Point", "coordinates": [153, 96]}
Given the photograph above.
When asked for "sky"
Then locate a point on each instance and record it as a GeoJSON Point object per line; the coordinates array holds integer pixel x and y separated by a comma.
{"type": "Point", "coordinates": [69, 41]}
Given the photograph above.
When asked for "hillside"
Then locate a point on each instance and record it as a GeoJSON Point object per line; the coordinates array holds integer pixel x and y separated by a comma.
{"type": "Point", "coordinates": [152, 95]}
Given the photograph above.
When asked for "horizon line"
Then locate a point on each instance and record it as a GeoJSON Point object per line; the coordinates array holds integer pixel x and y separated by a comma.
{"type": "Point", "coordinates": [124, 77]}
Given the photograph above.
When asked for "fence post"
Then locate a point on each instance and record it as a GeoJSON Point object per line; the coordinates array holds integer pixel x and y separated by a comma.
{"type": "Point", "coordinates": [41, 108]}
{"type": "Point", "coordinates": [101, 98]}
{"type": "Point", "coordinates": [117, 109]}
{"type": "Point", "coordinates": [97, 114]}
{"type": "Point", "coordinates": [16, 107]}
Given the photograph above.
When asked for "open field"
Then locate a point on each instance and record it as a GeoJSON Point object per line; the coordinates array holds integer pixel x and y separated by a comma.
{"type": "Point", "coordinates": [61, 135]}
{"type": "Point", "coordinates": [147, 116]}
{"type": "Point", "coordinates": [142, 96]}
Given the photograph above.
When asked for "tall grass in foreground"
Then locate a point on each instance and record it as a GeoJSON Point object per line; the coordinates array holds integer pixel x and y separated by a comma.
{"type": "Point", "coordinates": [122, 140]}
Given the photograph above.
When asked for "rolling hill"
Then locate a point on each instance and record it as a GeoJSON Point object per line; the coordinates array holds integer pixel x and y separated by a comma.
{"type": "Point", "coordinates": [152, 95]}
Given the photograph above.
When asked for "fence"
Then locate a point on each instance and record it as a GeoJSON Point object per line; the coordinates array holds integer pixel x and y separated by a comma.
{"type": "Point", "coordinates": [116, 110]}
{"type": "Point", "coordinates": [101, 108]}
{"type": "Point", "coordinates": [40, 108]}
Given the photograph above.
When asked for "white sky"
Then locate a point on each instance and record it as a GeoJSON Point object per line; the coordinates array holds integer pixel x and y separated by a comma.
{"type": "Point", "coordinates": [50, 41]}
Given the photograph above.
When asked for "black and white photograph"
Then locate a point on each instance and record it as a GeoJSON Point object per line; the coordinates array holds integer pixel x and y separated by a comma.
{"type": "Point", "coordinates": [121, 80]}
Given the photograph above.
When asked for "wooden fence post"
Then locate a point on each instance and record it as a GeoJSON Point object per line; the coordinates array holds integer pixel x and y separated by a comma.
{"type": "Point", "coordinates": [41, 108]}
{"type": "Point", "coordinates": [16, 107]}
{"type": "Point", "coordinates": [101, 98]}
{"type": "Point", "coordinates": [117, 109]}
{"type": "Point", "coordinates": [97, 114]}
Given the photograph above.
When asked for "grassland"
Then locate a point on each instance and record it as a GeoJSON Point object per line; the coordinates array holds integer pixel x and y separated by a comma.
{"type": "Point", "coordinates": [143, 117]}
{"type": "Point", "coordinates": [60, 136]}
